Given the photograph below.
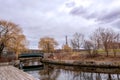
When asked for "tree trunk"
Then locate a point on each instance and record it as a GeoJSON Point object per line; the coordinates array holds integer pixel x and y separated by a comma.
{"type": "Point", "coordinates": [1, 48]}
{"type": "Point", "coordinates": [109, 77]}
{"type": "Point", "coordinates": [106, 50]}
{"type": "Point", "coordinates": [114, 53]}
{"type": "Point", "coordinates": [89, 51]}
{"type": "Point", "coordinates": [48, 48]}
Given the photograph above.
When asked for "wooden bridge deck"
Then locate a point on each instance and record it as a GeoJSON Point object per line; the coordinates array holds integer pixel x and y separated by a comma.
{"type": "Point", "coordinates": [12, 73]}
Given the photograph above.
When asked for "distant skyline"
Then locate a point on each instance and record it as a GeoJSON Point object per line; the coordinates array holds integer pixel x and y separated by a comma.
{"type": "Point", "coordinates": [58, 18]}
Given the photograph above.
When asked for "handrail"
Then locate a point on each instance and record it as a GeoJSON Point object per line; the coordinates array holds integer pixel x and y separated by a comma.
{"type": "Point", "coordinates": [27, 55]}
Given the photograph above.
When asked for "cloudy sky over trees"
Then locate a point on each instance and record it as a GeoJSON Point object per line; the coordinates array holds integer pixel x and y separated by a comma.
{"type": "Point", "coordinates": [58, 18]}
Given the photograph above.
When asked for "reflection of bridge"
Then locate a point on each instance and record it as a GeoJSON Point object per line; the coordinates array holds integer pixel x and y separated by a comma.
{"type": "Point", "coordinates": [30, 60]}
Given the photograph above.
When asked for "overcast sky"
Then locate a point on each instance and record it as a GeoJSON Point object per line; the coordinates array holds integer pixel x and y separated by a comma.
{"type": "Point", "coordinates": [58, 18]}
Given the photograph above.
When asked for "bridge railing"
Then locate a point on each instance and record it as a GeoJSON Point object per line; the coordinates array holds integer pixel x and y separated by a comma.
{"type": "Point", "coordinates": [29, 55]}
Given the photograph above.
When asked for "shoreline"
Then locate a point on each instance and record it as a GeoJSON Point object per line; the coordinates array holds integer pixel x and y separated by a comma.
{"type": "Point", "coordinates": [96, 64]}
{"type": "Point", "coordinates": [83, 63]}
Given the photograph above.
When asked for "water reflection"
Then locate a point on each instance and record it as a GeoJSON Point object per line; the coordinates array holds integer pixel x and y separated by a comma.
{"type": "Point", "coordinates": [55, 72]}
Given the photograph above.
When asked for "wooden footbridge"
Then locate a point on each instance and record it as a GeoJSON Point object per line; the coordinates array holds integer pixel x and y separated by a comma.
{"type": "Point", "coordinates": [9, 72]}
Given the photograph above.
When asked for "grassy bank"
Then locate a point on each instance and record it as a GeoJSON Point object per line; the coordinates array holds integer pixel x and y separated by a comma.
{"type": "Point", "coordinates": [84, 56]}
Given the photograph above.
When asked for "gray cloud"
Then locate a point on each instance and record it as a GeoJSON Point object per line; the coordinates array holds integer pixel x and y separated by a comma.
{"type": "Point", "coordinates": [103, 16]}
{"type": "Point", "coordinates": [78, 11]}
{"type": "Point", "coordinates": [110, 16]}
{"type": "Point", "coordinates": [98, 11]}
{"type": "Point", "coordinates": [70, 4]}
{"type": "Point", "coordinates": [116, 23]}
{"type": "Point", "coordinates": [41, 18]}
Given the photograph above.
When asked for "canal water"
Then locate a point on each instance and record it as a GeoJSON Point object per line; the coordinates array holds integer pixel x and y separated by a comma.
{"type": "Point", "coordinates": [58, 72]}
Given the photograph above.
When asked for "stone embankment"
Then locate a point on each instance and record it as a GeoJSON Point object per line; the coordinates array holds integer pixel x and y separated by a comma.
{"type": "Point", "coordinates": [97, 64]}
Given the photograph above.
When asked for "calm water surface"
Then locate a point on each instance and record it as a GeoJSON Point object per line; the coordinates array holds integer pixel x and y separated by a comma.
{"type": "Point", "coordinates": [57, 72]}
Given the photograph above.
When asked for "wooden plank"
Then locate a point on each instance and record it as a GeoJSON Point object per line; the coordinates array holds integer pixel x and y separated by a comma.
{"type": "Point", "coordinates": [12, 73]}
{"type": "Point", "coordinates": [4, 64]}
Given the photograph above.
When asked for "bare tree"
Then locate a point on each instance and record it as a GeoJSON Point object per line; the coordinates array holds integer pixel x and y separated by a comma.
{"type": "Point", "coordinates": [9, 34]}
{"type": "Point", "coordinates": [77, 41]}
{"type": "Point", "coordinates": [47, 44]}
{"type": "Point", "coordinates": [95, 40]}
{"type": "Point", "coordinates": [114, 42]}
{"type": "Point", "coordinates": [101, 37]}
{"type": "Point", "coordinates": [88, 45]}
{"type": "Point", "coordinates": [106, 39]}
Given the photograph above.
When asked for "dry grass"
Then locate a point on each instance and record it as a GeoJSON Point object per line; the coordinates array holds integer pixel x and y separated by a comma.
{"type": "Point", "coordinates": [4, 59]}
{"type": "Point", "coordinates": [83, 56]}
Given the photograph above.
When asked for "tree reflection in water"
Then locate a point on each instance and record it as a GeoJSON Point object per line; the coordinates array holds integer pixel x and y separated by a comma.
{"type": "Point", "coordinates": [57, 72]}
{"type": "Point", "coordinates": [49, 73]}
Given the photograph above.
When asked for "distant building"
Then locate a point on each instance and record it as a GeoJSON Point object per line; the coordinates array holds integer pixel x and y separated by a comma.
{"type": "Point", "coordinates": [66, 47]}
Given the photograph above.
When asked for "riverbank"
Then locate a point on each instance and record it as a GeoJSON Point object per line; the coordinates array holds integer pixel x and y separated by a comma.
{"type": "Point", "coordinates": [98, 64]}
{"type": "Point", "coordinates": [84, 60]}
